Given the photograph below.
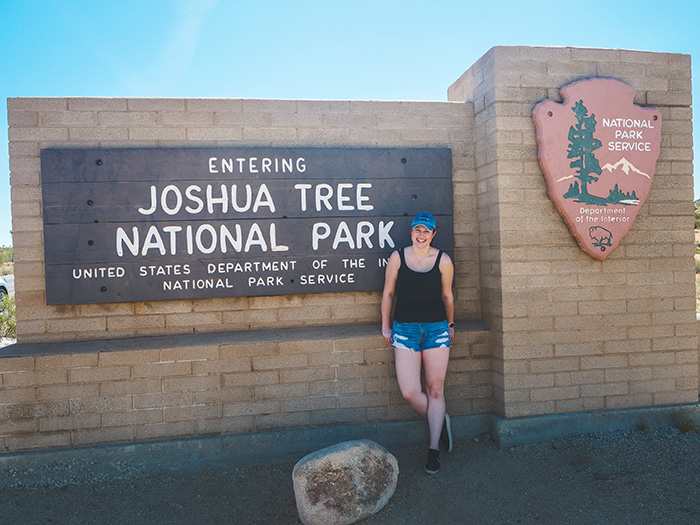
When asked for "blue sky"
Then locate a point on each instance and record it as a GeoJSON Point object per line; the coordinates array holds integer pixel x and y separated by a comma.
{"type": "Point", "coordinates": [335, 49]}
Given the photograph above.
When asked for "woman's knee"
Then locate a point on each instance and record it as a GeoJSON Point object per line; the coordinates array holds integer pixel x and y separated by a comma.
{"type": "Point", "coordinates": [411, 394]}
{"type": "Point", "coordinates": [436, 389]}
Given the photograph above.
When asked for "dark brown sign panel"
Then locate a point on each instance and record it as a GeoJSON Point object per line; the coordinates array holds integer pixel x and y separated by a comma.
{"type": "Point", "coordinates": [124, 225]}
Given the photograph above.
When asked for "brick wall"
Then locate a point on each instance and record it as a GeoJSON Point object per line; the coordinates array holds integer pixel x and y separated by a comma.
{"type": "Point", "coordinates": [136, 390]}
{"type": "Point", "coordinates": [37, 123]}
{"type": "Point", "coordinates": [571, 333]}
{"type": "Point", "coordinates": [566, 333]}
{"type": "Point", "coordinates": [130, 372]}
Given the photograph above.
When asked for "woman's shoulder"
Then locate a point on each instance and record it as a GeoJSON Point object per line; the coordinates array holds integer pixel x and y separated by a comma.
{"type": "Point", "coordinates": [395, 257]}
{"type": "Point", "coordinates": [445, 258]}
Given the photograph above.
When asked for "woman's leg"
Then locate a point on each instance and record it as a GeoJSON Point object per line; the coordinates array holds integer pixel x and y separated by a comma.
{"type": "Point", "coordinates": [435, 361]}
{"type": "Point", "coordinates": [408, 367]}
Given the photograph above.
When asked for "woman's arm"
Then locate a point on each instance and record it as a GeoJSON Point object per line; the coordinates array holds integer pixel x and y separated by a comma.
{"type": "Point", "coordinates": [391, 274]}
{"type": "Point", "coordinates": [447, 271]}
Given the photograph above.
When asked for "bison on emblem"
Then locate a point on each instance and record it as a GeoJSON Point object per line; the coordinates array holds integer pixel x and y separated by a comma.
{"type": "Point", "coordinates": [600, 237]}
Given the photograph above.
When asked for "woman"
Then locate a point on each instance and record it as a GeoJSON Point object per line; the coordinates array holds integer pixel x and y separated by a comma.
{"type": "Point", "coordinates": [420, 276]}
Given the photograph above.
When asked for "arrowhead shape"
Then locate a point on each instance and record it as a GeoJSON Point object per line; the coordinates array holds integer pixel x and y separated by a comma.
{"type": "Point", "coordinates": [598, 152]}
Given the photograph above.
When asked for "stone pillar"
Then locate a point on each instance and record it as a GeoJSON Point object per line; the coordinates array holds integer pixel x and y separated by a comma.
{"type": "Point", "coordinates": [570, 333]}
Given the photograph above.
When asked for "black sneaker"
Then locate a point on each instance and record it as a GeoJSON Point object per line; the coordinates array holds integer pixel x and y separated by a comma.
{"type": "Point", "coordinates": [446, 442]}
{"type": "Point", "coordinates": [432, 465]}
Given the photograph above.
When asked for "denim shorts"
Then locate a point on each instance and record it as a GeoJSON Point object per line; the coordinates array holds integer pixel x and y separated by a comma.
{"type": "Point", "coordinates": [420, 336]}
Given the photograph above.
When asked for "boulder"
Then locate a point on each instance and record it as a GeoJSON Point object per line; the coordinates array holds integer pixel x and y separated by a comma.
{"type": "Point", "coordinates": [344, 483]}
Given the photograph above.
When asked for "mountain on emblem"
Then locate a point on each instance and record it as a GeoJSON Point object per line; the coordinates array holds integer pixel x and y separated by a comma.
{"type": "Point", "coordinates": [626, 166]}
{"type": "Point", "coordinates": [598, 153]}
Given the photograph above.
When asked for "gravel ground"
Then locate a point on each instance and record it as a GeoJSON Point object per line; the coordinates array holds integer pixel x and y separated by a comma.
{"type": "Point", "coordinates": [624, 477]}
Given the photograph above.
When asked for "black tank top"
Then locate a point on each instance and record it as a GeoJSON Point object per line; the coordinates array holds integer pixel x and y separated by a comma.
{"type": "Point", "coordinates": [419, 294]}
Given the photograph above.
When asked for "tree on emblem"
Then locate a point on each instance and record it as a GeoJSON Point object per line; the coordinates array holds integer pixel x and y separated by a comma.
{"type": "Point", "coordinates": [581, 148]}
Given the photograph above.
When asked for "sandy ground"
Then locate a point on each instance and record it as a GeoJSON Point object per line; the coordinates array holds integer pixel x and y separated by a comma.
{"type": "Point", "coordinates": [621, 477]}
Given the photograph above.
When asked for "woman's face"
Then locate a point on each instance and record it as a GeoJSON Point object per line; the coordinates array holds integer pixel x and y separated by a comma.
{"type": "Point", "coordinates": [421, 236]}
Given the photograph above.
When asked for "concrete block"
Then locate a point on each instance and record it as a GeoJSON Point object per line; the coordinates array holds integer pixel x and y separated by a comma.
{"type": "Point", "coordinates": [87, 324]}
{"type": "Point", "coordinates": [98, 134]}
{"type": "Point", "coordinates": [152, 135]}
{"type": "Point", "coordinates": [193, 319]}
{"type": "Point", "coordinates": [554, 365]}
{"type": "Point", "coordinates": [192, 413]}
{"type": "Point", "coordinates": [278, 391]}
{"type": "Point", "coordinates": [37, 104]}
{"type": "Point", "coordinates": [135, 417]}
{"type": "Point", "coordinates": [326, 388]}
{"type": "Point", "coordinates": [37, 410]}
{"type": "Point", "coordinates": [164, 430]}
{"type": "Point", "coordinates": [69, 422]}
{"type": "Point", "coordinates": [337, 358]}
{"type": "Point", "coordinates": [280, 362]}
{"type": "Point", "coordinates": [68, 360]}
{"type": "Point", "coordinates": [161, 370]}
{"type": "Point", "coordinates": [39, 440]}
{"type": "Point", "coordinates": [281, 421]}
{"type": "Point", "coordinates": [34, 378]}
{"type": "Point", "coordinates": [556, 393]}
{"type": "Point", "coordinates": [33, 134]}
{"type": "Point", "coordinates": [213, 104]}
{"type": "Point", "coordinates": [309, 314]}
{"type": "Point", "coordinates": [268, 406]}
{"type": "Point", "coordinates": [69, 391]}
{"type": "Point", "coordinates": [223, 396]}
{"type": "Point", "coordinates": [227, 135]}
{"type": "Point", "coordinates": [100, 405]}
{"type": "Point", "coordinates": [309, 375]}
{"type": "Point", "coordinates": [528, 381]}
{"type": "Point", "coordinates": [190, 353]}
{"type": "Point", "coordinates": [16, 364]}
{"type": "Point", "coordinates": [211, 366]}
{"type": "Point", "coordinates": [135, 323]}
{"type": "Point", "coordinates": [131, 386]}
{"type": "Point", "coordinates": [629, 401]}
{"type": "Point", "coordinates": [23, 119]}
{"type": "Point", "coordinates": [186, 384]}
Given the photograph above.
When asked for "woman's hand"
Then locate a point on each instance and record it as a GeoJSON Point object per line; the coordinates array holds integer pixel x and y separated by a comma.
{"type": "Point", "coordinates": [386, 333]}
{"type": "Point", "coordinates": [452, 333]}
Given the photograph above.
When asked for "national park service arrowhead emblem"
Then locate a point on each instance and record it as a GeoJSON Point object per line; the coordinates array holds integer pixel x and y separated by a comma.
{"type": "Point", "coordinates": [598, 153]}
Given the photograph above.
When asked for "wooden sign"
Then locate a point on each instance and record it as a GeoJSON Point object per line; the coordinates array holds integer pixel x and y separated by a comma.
{"type": "Point", "coordinates": [124, 225]}
{"type": "Point", "coordinates": [598, 153]}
